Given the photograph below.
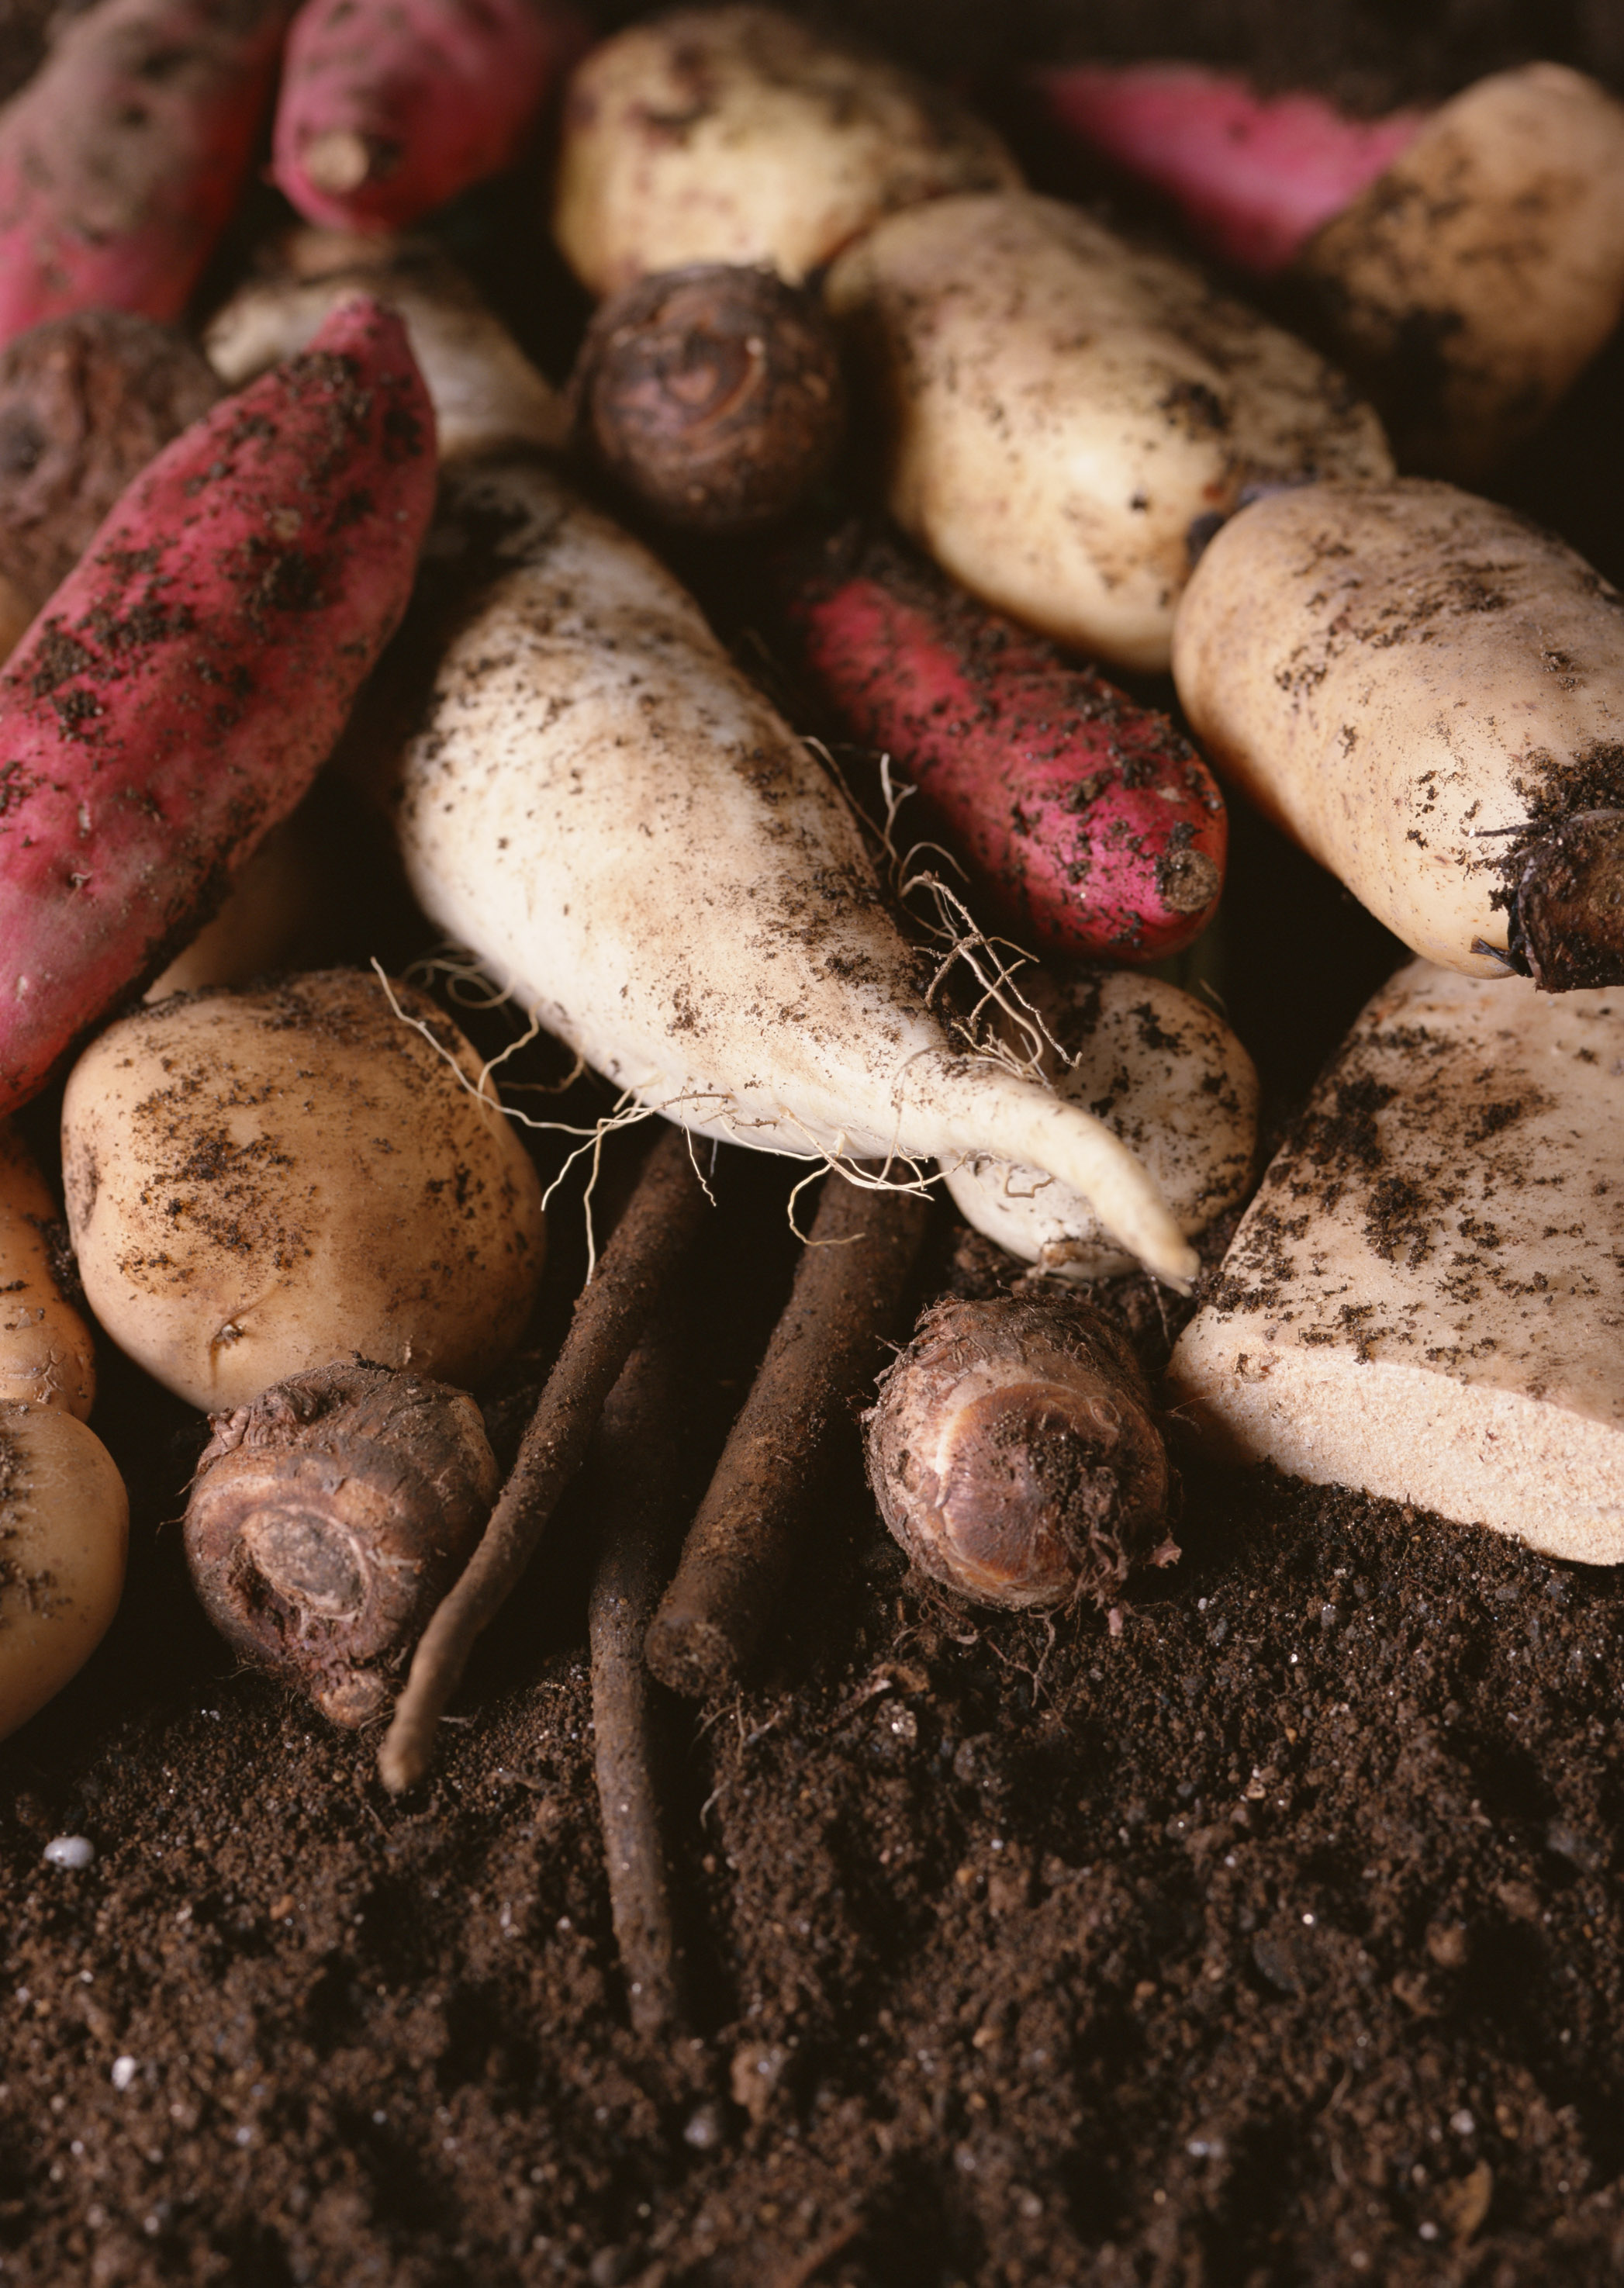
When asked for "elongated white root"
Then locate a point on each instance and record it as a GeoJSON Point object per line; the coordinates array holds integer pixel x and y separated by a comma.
{"type": "Point", "coordinates": [596, 802]}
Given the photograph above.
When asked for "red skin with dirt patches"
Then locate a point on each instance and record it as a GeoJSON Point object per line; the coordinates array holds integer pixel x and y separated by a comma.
{"type": "Point", "coordinates": [440, 93]}
{"type": "Point", "coordinates": [1254, 176]}
{"type": "Point", "coordinates": [122, 159]}
{"type": "Point", "coordinates": [1089, 826]}
{"type": "Point", "coordinates": [185, 683]}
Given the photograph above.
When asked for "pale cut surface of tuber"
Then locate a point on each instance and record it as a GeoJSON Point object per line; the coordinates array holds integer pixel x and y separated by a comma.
{"type": "Point", "coordinates": [328, 1517]}
{"type": "Point", "coordinates": [47, 1357]}
{"type": "Point", "coordinates": [259, 1183]}
{"type": "Point", "coordinates": [1426, 1298]}
{"type": "Point", "coordinates": [1160, 1068]}
{"type": "Point", "coordinates": [64, 1532]}
{"type": "Point", "coordinates": [1014, 1455]}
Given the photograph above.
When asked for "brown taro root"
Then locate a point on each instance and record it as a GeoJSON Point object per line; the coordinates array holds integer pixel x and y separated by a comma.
{"type": "Point", "coordinates": [328, 1517]}
{"type": "Point", "coordinates": [1014, 1455]}
{"type": "Point", "coordinates": [85, 404]}
{"type": "Point", "coordinates": [714, 394]}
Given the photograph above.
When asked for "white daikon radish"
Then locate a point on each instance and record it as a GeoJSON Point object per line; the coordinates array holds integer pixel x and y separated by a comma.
{"type": "Point", "coordinates": [1426, 1298]}
{"type": "Point", "coordinates": [613, 819]}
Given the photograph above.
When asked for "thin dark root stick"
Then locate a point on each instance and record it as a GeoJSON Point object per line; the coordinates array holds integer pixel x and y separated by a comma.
{"type": "Point", "coordinates": [637, 1461]}
{"type": "Point", "coordinates": [825, 1351]}
{"type": "Point", "coordinates": [662, 1218]}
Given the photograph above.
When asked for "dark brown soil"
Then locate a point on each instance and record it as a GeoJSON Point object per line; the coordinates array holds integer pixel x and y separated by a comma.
{"type": "Point", "coordinates": [1276, 1940]}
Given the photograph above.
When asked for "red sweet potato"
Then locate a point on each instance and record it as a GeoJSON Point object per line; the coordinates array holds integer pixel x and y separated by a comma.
{"type": "Point", "coordinates": [122, 159]}
{"type": "Point", "coordinates": [1254, 176]}
{"type": "Point", "coordinates": [187, 681]}
{"type": "Point", "coordinates": [1089, 826]}
{"type": "Point", "coordinates": [390, 107]}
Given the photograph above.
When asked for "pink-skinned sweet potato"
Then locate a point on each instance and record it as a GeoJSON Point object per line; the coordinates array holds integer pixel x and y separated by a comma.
{"type": "Point", "coordinates": [390, 107]}
{"type": "Point", "coordinates": [182, 687]}
{"type": "Point", "coordinates": [1254, 176]}
{"type": "Point", "coordinates": [121, 160]}
{"type": "Point", "coordinates": [1089, 826]}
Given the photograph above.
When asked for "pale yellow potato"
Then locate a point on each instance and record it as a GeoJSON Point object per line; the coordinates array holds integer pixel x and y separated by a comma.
{"type": "Point", "coordinates": [739, 135]}
{"type": "Point", "coordinates": [1426, 1298]}
{"type": "Point", "coordinates": [64, 1534]}
{"type": "Point", "coordinates": [1474, 281]}
{"type": "Point", "coordinates": [1166, 1074]}
{"type": "Point", "coordinates": [1409, 681]}
{"type": "Point", "coordinates": [484, 389]}
{"type": "Point", "coordinates": [260, 1182]}
{"type": "Point", "coordinates": [47, 1357]}
{"type": "Point", "coordinates": [1067, 416]}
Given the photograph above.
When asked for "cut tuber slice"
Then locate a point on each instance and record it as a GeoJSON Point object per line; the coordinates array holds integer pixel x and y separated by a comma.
{"type": "Point", "coordinates": [1426, 1298]}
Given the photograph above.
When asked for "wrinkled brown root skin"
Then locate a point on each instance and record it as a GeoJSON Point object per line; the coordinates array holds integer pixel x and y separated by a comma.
{"type": "Point", "coordinates": [714, 394]}
{"type": "Point", "coordinates": [329, 1517]}
{"type": "Point", "coordinates": [85, 402]}
{"type": "Point", "coordinates": [1567, 917]}
{"type": "Point", "coordinates": [1014, 1456]}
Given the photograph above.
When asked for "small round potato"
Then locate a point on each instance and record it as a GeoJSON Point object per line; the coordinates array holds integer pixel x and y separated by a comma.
{"type": "Point", "coordinates": [65, 1532]}
{"type": "Point", "coordinates": [260, 1182]}
{"type": "Point", "coordinates": [1474, 281]}
{"type": "Point", "coordinates": [1069, 416]}
{"type": "Point", "coordinates": [737, 135]}
{"type": "Point", "coordinates": [1167, 1075]}
{"type": "Point", "coordinates": [47, 1357]}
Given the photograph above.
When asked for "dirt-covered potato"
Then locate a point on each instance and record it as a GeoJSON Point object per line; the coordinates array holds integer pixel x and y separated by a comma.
{"type": "Point", "coordinates": [260, 1182]}
{"type": "Point", "coordinates": [1069, 416]}
{"type": "Point", "coordinates": [739, 135]}
{"type": "Point", "coordinates": [1161, 1069]}
{"type": "Point", "coordinates": [1472, 282]}
{"type": "Point", "coordinates": [47, 1357]}
{"type": "Point", "coordinates": [85, 402]}
{"type": "Point", "coordinates": [64, 1532]}
{"type": "Point", "coordinates": [1427, 692]}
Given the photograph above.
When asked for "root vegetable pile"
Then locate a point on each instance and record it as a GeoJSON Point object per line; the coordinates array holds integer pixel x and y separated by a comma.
{"type": "Point", "coordinates": [297, 1200]}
